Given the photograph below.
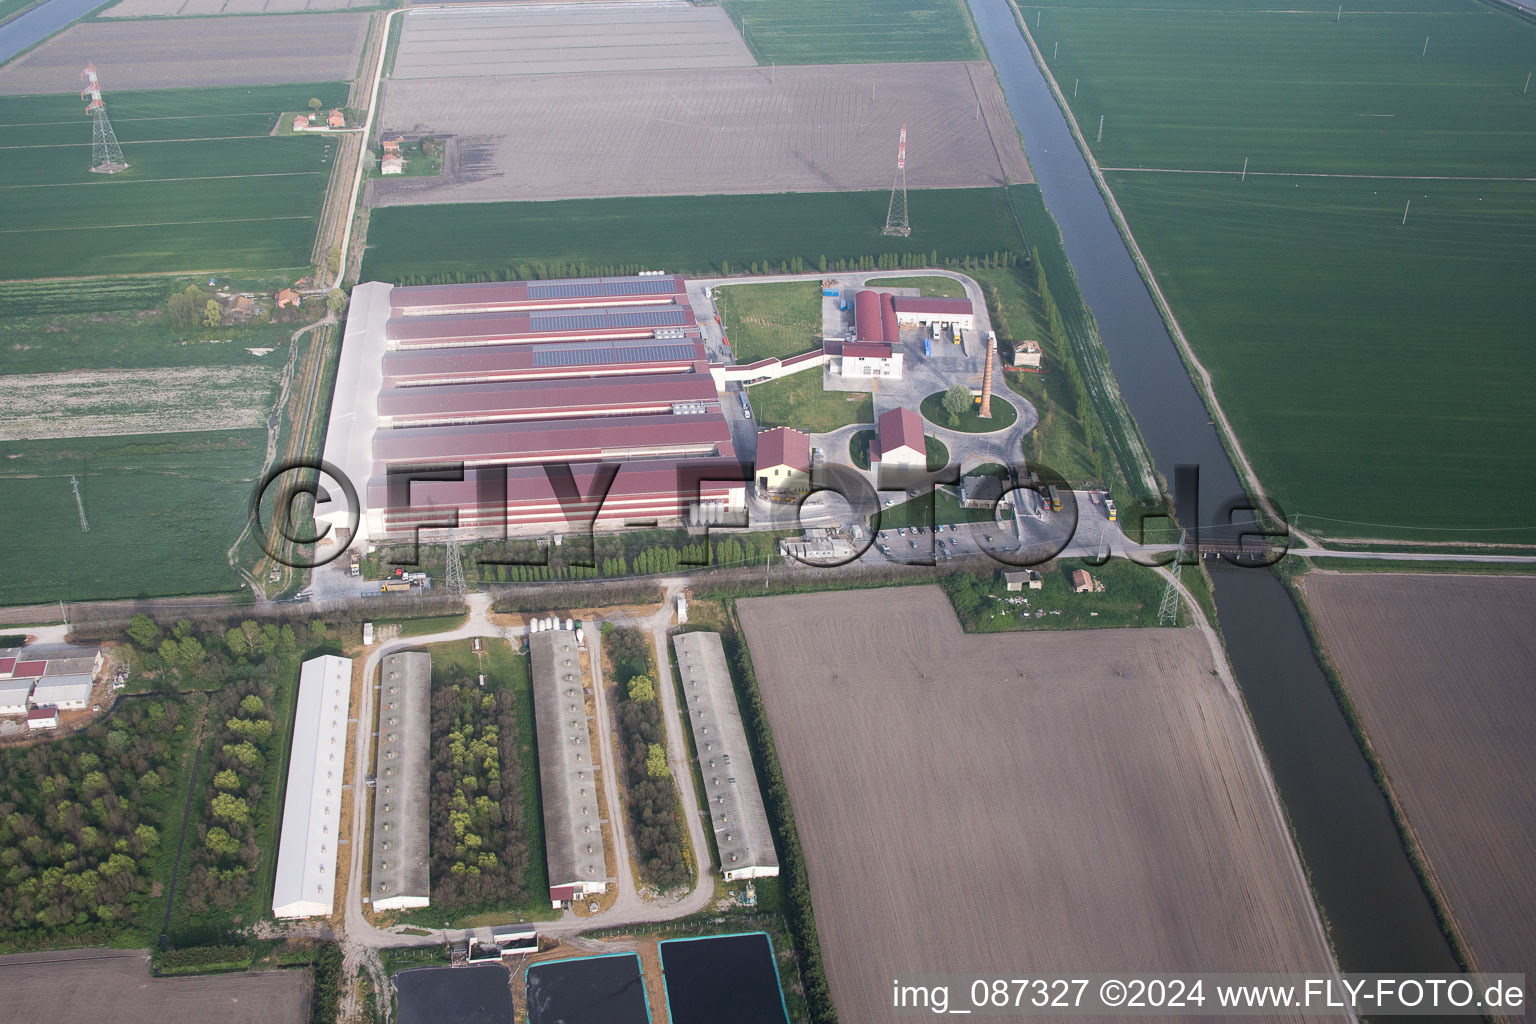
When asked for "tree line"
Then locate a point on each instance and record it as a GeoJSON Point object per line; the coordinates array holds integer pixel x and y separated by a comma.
{"type": "Point", "coordinates": [655, 813]}
{"type": "Point", "coordinates": [479, 853]}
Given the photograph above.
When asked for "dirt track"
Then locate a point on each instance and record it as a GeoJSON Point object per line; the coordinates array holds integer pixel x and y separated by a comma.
{"type": "Point", "coordinates": [115, 985]}
{"type": "Point", "coordinates": [1020, 804]}
{"type": "Point", "coordinates": [1440, 669]}
{"type": "Point", "coordinates": [723, 130]}
{"type": "Point", "coordinates": [188, 52]}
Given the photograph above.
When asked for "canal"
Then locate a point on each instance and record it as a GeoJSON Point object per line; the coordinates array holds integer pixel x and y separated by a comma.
{"type": "Point", "coordinates": [1379, 918]}
{"type": "Point", "coordinates": [39, 23]}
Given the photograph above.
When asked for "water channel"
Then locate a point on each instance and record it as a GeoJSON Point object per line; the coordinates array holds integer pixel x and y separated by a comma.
{"type": "Point", "coordinates": [39, 23]}
{"type": "Point", "coordinates": [1379, 917]}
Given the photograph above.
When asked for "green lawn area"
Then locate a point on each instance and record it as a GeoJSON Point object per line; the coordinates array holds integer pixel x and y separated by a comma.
{"type": "Point", "coordinates": [681, 234]}
{"type": "Point", "coordinates": [763, 320]}
{"type": "Point", "coordinates": [162, 509]}
{"type": "Point", "coordinates": [1004, 415]}
{"type": "Point", "coordinates": [798, 401]}
{"type": "Point", "coordinates": [1131, 597]}
{"type": "Point", "coordinates": [206, 188]}
{"type": "Point", "coordinates": [1294, 91]}
{"type": "Point", "coordinates": [855, 31]}
{"type": "Point", "coordinates": [929, 287]}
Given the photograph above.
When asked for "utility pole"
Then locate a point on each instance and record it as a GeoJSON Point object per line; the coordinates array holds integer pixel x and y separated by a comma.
{"type": "Point", "coordinates": [1426, 47]}
{"type": "Point", "coordinates": [1055, 48]}
{"type": "Point", "coordinates": [84, 526]}
{"type": "Point", "coordinates": [106, 154]}
{"type": "Point", "coordinates": [1101, 129]}
{"type": "Point", "coordinates": [1168, 611]}
{"type": "Point", "coordinates": [1074, 87]}
{"type": "Point", "coordinates": [1340, 16]}
{"type": "Point", "coordinates": [1405, 210]}
{"type": "Point", "coordinates": [1245, 168]}
{"type": "Point", "coordinates": [896, 214]}
{"type": "Point", "coordinates": [455, 561]}
{"type": "Point", "coordinates": [1527, 84]}
{"type": "Point", "coordinates": [1037, 19]}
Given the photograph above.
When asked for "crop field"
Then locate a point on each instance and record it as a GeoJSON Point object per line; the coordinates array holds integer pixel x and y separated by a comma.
{"type": "Point", "coordinates": [210, 8]}
{"type": "Point", "coordinates": [115, 985]}
{"type": "Point", "coordinates": [764, 320]}
{"type": "Point", "coordinates": [206, 188]}
{"type": "Point", "coordinates": [1365, 283]}
{"type": "Point", "coordinates": [721, 130]}
{"type": "Point", "coordinates": [556, 39]}
{"type": "Point", "coordinates": [855, 31]}
{"type": "Point", "coordinates": [1110, 806]}
{"type": "Point", "coordinates": [162, 511]}
{"type": "Point", "coordinates": [1345, 332]}
{"type": "Point", "coordinates": [1439, 669]}
{"type": "Point", "coordinates": [698, 234]}
{"type": "Point", "coordinates": [87, 403]}
{"type": "Point", "coordinates": [189, 52]}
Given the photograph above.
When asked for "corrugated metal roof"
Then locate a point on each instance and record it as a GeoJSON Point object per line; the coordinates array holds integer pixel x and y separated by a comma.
{"type": "Point", "coordinates": [503, 328]}
{"type": "Point", "coordinates": [424, 365]}
{"type": "Point", "coordinates": [639, 478]}
{"type": "Point", "coordinates": [901, 428]}
{"type": "Point", "coordinates": [782, 446]}
{"type": "Point", "coordinates": [603, 286]}
{"type": "Point", "coordinates": [934, 304]}
{"type": "Point", "coordinates": [530, 397]}
{"type": "Point", "coordinates": [594, 354]}
{"type": "Point", "coordinates": [551, 438]}
{"type": "Point", "coordinates": [662, 316]}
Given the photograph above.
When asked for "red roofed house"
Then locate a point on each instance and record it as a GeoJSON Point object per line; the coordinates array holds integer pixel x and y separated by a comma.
{"type": "Point", "coordinates": [560, 895]}
{"type": "Point", "coordinates": [1082, 581]}
{"type": "Point", "coordinates": [336, 119]}
{"type": "Point", "coordinates": [900, 441]}
{"type": "Point", "coordinates": [392, 164]}
{"type": "Point", "coordinates": [300, 123]}
{"type": "Point", "coordinates": [783, 462]}
{"type": "Point", "coordinates": [287, 297]}
{"type": "Point", "coordinates": [43, 718]}
{"type": "Point", "coordinates": [391, 146]}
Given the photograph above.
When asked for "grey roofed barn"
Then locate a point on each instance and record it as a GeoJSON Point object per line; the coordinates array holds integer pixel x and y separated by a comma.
{"type": "Point", "coordinates": [734, 801]}
{"type": "Point", "coordinates": [573, 835]}
{"type": "Point", "coordinates": [400, 875]}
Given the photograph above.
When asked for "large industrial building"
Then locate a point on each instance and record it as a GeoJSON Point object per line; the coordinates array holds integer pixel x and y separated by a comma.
{"type": "Point", "coordinates": [401, 876]}
{"type": "Point", "coordinates": [735, 804]}
{"type": "Point", "coordinates": [312, 807]}
{"type": "Point", "coordinates": [573, 834]}
{"type": "Point", "coordinates": [60, 676]}
{"type": "Point", "coordinates": [521, 391]}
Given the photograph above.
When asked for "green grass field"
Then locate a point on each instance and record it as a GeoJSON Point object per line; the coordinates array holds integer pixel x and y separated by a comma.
{"type": "Point", "coordinates": [162, 510]}
{"type": "Point", "coordinates": [1204, 89]}
{"type": "Point", "coordinates": [798, 401]}
{"type": "Point", "coordinates": [944, 287]}
{"type": "Point", "coordinates": [206, 189]}
{"type": "Point", "coordinates": [763, 320]}
{"type": "Point", "coordinates": [1364, 362]}
{"type": "Point", "coordinates": [681, 234]}
{"type": "Point", "coordinates": [855, 31]}
{"type": "Point", "coordinates": [1379, 373]}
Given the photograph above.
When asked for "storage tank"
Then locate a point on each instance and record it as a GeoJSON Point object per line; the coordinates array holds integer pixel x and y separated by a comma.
{"type": "Point", "coordinates": [569, 625]}
{"type": "Point", "coordinates": [533, 625]}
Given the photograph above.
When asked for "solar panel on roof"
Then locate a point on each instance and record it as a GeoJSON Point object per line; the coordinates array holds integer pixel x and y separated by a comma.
{"type": "Point", "coordinates": [568, 355]}
{"type": "Point", "coordinates": [626, 318]}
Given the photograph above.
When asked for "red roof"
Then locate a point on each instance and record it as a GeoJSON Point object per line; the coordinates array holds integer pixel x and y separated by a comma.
{"type": "Point", "coordinates": [24, 669]}
{"type": "Point", "coordinates": [901, 428]}
{"type": "Point", "coordinates": [888, 325]}
{"type": "Point", "coordinates": [528, 440]}
{"type": "Point", "coordinates": [562, 893]}
{"type": "Point", "coordinates": [580, 322]}
{"type": "Point", "coordinates": [867, 349]}
{"type": "Point", "coordinates": [782, 446]}
{"type": "Point", "coordinates": [568, 359]}
{"type": "Point", "coordinates": [510, 295]}
{"type": "Point", "coordinates": [7, 664]}
{"type": "Point", "coordinates": [866, 316]}
{"type": "Point", "coordinates": [915, 304]}
{"type": "Point", "coordinates": [510, 400]}
{"type": "Point", "coordinates": [42, 714]}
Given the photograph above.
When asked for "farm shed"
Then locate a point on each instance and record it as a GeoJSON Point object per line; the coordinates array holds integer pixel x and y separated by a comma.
{"type": "Point", "coordinates": [956, 313]}
{"type": "Point", "coordinates": [306, 852]}
{"type": "Point", "coordinates": [1082, 581]}
{"type": "Point", "coordinates": [43, 718]}
{"type": "Point", "coordinates": [64, 692]}
{"type": "Point", "coordinates": [1026, 353]}
{"type": "Point", "coordinates": [573, 836]}
{"type": "Point", "coordinates": [13, 696]}
{"type": "Point", "coordinates": [783, 461]}
{"type": "Point", "coordinates": [1020, 579]}
{"type": "Point", "coordinates": [735, 804]}
{"type": "Point", "coordinates": [901, 440]}
{"type": "Point", "coordinates": [400, 877]}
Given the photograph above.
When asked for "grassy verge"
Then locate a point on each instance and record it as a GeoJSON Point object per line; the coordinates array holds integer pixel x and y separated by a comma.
{"type": "Point", "coordinates": [798, 401]}
{"type": "Point", "coordinates": [929, 287]}
{"type": "Point", "coordinates": [763, 320]}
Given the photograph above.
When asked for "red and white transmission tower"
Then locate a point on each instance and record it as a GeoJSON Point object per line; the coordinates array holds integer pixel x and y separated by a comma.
{"type": "Point", "coordinates": [896, 213]}
{"type": "Point", "coordinates": [106, 154]}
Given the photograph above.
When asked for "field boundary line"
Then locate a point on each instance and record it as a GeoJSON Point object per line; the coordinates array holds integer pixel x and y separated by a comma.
{"type": "Point", "coordinates": [151, 181]}
{"type": "Point", "coordinates": [139, 142]}
{"type": "Point", "coordinates": [155, 224]}
{"type": "Point", "coordinates": [1311, 174]}
{"type": "Point", "coordinates": [1202, 377]}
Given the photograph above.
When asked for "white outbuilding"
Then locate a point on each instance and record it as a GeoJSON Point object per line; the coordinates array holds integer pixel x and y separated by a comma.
{"type": "Point", "coordinates": [63, 692]}
{"type": "Point", "coordinates": [13, 696]}
{"type": "Point", "coordinates": [312, 808]}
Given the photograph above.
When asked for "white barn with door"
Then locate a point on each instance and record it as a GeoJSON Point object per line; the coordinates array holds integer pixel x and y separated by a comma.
{"type": "Point", "coordinates": [313, 805]}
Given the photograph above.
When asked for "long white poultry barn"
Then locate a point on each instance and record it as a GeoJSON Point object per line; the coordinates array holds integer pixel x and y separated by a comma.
{"type": "Point", "coordinates": [312, 807]}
